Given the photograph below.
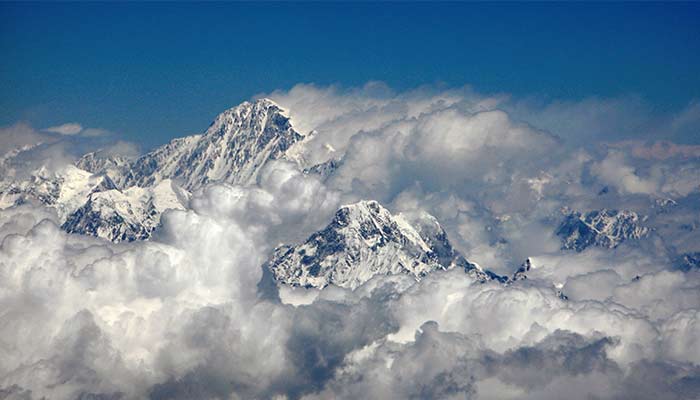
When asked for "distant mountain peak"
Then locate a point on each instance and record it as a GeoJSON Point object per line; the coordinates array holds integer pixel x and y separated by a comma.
{"type": "Point", "coordinates": [603, 228]}
{"type": "Point", "coordinates": [364, 240]}
{"type": "Point", "coordinates": [249, 112]}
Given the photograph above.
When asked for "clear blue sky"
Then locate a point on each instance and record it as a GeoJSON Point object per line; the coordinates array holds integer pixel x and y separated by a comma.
{"type": "Point", "coordinates": [155, 71]}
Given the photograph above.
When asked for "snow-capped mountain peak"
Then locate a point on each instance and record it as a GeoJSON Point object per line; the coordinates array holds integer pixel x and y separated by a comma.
{"type": "Point", "coordinates": [363, 240]}
{"type": "Point", "coordinates": [251, 114]}
{"type": "Point", "coordinates": [233, 149]}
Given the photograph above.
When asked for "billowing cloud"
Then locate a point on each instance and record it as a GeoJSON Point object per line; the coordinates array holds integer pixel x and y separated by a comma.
{"type": "Point", "coordinates": [613, 170]}
{"type": "Point", "coordinates": [180, 317]}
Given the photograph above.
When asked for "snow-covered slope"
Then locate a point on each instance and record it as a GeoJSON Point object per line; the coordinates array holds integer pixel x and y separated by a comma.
{"type": "Point", "coordinates": [92, 204]}
{"type": "Point", "coordinates": [113, 166]}
{"type": "Point", "coordinates": [363, 240]}
{"type": "Point", "coordinates": [65, 190]}
{"type": "Point", "coordinates": [127, 215]}
{"type": "Point", "coordinates": [604, 228]}
{"type": "Point", "coordinates": [233, 150]}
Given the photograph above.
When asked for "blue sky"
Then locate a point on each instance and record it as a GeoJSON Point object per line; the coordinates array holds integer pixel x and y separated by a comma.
{"type": "Point", "coordinates": [151, 72]}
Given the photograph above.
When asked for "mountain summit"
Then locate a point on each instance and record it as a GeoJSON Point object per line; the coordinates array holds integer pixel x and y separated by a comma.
{"type": "Point", "coordinates": [363, 240]}
{"type": "Point", "coordinates": [233, 149]}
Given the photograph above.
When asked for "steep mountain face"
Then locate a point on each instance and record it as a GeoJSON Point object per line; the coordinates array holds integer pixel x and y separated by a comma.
{"type": "Point", "coordinates": [363, 240]}
{"type": "Point", "coordinates": [604, 228]}
{"type": "Point", "coordinates": [233, 150]}
{"type": "Point", "coordinates": [126, 215]}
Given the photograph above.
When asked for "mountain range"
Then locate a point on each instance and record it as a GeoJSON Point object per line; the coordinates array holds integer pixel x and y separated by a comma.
{"type": "Point", "coordinates": [121, 200]}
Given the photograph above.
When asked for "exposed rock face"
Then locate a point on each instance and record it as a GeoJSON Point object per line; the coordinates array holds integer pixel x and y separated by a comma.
{"type": "Point", "coordinates": [521, 273]}
{"type": "Point", "coordinates": [363, 240]}
{"type": "Point", "coordinates": [325, 169]}
{"type": "Point", "coordinates": [604, 228]}
{"type": "Point", "coordinates": [689, 261]}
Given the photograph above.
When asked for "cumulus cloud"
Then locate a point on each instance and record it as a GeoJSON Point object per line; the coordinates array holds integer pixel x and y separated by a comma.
{"type": "Point", "coordinates": [180, 317]}
{"type": "Point", "coordinates": [119, 148]}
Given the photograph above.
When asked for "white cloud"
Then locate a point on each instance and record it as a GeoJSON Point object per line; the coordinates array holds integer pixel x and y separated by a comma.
{"type": "Point", "coordinates": [74, 129]}
{"type": "Point", "coordinates": [70, 128]}
{"type": "Point", "coordinates": [614, 171]}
